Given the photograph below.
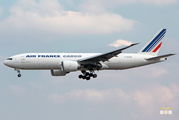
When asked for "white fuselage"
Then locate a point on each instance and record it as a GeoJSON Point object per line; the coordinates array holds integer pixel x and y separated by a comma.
{"type": "Point", "coordinates": [61, 64]}
{"type": "Point", "coordinates": [49, 61]}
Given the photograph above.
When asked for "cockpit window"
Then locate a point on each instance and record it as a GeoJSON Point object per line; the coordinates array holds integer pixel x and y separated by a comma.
{"type": "Point", "coordinates": [9, 58]}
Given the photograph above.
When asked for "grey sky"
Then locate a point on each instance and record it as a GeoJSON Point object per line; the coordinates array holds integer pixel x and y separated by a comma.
{"type": "Point", "coordinates": [88, 26]}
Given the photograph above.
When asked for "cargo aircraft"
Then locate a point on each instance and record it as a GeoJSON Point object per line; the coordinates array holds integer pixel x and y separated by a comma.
{"type": "Point", "coordinates": [61, 64]}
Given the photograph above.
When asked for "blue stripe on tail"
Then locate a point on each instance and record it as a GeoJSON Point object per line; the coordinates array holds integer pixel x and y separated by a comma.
{"type": "Point", "coordinates": [154, 42]}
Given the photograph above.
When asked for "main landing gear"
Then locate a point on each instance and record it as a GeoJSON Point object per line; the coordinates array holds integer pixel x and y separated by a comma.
{"type": "Point", "coordinates": [18, 71]}
{"type": "Point", "coordinates": [87, 75]}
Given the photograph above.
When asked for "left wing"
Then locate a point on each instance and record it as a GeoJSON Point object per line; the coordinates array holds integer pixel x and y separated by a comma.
{"type": "Point", "coordinates": [104, 56]}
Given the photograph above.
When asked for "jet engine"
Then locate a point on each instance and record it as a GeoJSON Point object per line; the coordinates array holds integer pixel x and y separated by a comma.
{"type": "Point", "coordinates": [58, 73]}
{"type": "Point", "coordinates": [69, 66]}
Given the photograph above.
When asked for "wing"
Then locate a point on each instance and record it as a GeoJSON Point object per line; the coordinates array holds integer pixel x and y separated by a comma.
{"type": "Point", "coordinates": [103, 57]}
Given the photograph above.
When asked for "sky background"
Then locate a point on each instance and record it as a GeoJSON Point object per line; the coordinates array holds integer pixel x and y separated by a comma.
{"type": "Point", "coordinates": [88, 26]}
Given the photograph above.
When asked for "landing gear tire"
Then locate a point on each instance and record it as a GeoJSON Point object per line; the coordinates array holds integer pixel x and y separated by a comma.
{"type": "Point", "coordinates": [87, 74]}
{"type": "Point", "coordinates": [91, 74]}
{"type": "Point", "coordinates": [83, 71]}
{"type": "Point", "coordinates": [80, 76]}
{"type": "Point", "coordinates": [18, 71]}
{"type": "Point", "coordinates": [87, 78]}
{"type": "Point", "coordinates": [94, 75]}
{"type": "Point", "coordinates": [19, 75]}
{"type": "Point", "coordinates": [84, 77]}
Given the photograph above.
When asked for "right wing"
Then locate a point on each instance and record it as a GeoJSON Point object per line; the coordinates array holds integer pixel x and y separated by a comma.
{"type": "Point", "coordinates": [104, 56]}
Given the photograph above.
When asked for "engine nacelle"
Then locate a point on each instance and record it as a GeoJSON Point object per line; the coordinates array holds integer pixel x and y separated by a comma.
{"type": "Point", "coordinates": [58, 73]}
{"type": "Point", "coordinates": [70, 66]}
{"type": "Point", "coordinates": [103, 66]}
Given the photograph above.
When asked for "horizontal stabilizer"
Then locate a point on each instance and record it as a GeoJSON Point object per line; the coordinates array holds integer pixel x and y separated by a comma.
{"type": "Point", "coordinates": [158, 57]}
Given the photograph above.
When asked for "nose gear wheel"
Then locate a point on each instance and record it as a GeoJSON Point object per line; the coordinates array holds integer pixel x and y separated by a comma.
{"type": "Point", "coordinates": [18, 71]}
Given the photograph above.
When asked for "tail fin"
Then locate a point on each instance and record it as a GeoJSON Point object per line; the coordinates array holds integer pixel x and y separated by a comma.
{"type": "Point", "coordinates": [153, 46]}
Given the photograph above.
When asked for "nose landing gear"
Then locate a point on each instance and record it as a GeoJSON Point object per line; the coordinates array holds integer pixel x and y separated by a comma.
{"type": "Point", "coordinates": [87, 75]}
{"type": "Point", "coordinates": [18, 71]}
{"type": "Point", "coordinates": [19, 75]}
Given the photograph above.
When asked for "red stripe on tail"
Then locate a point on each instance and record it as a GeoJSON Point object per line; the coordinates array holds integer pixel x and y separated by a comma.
{"type": "Point", "coordinates": [157, 47]}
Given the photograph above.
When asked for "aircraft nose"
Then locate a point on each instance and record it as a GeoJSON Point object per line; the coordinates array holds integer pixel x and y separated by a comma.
{"type": "Point", "coordinates": [5, 62]}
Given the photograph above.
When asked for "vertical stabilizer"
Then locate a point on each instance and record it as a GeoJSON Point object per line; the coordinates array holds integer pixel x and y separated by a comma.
{"type": "Point", "coordinates": [153, 46]}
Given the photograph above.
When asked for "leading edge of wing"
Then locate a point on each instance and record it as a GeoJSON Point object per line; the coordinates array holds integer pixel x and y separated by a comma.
{"type": "Point", "coordinates": [104, 56]}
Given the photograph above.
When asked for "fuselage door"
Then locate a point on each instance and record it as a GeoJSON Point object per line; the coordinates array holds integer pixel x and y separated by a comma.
{"type": "Point", "coordinates": [22, 59]}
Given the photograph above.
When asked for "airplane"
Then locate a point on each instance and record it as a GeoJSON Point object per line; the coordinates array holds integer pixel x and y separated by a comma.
{"type": "Point", "coordinates": [61, 64]}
